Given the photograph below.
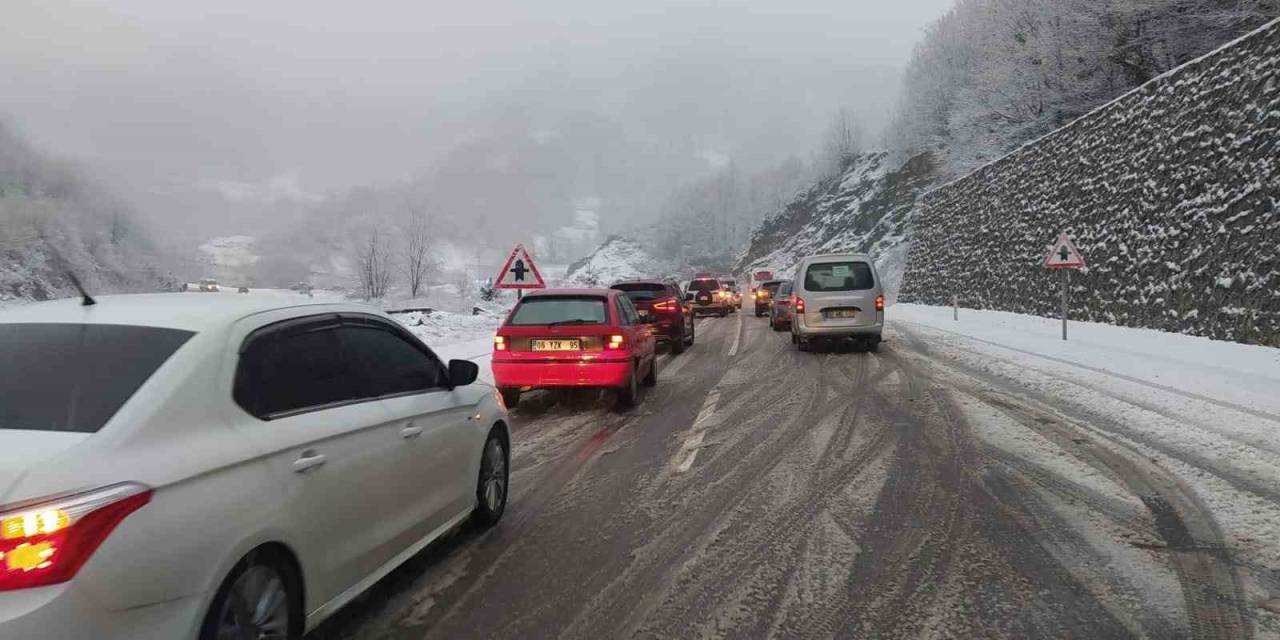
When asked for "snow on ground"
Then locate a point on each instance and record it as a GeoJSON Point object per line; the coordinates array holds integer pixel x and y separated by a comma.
{"type": "Point", "coordinates": [1207, 410]}
{"type": "Point", "coordinates": [456, 336]}
{"type": "Point", "coordinates": [617, 259]}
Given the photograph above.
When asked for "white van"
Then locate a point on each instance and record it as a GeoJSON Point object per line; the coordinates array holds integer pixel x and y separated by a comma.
{"type": "Point", "coordinates": [837, 296]}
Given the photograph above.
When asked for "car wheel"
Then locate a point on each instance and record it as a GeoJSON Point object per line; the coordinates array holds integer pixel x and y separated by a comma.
{"type": "Point", "coordinates": [260, 599]}
{"type": "Point", "coordinates": [510, 397]}
{"type": "Point", "coordinates": [873, 345]}
{"type": "Point", "coordinates": [628, 393]}
{"type": "Point", "coordinates": [794, 339]}
{"type": "Point", "coordinates": [651, 379]}
{"type": "Point", "coordinates": [692, 326]}
{"type": "Point", "coordinates": [491, 487]}
{"type": "Point", "coordinates": [804, 345]}
{"type": "Point", "coordinates": [724, 314]}
{"type": "Point", "coordinates": [677, 345]}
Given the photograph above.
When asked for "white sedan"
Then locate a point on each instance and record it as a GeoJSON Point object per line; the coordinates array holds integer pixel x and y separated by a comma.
{"type": "Point", "coordinates": [187, 467]}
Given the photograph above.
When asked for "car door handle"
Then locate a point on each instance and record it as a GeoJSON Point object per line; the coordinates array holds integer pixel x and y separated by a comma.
{"type": "Point", "coordinates": [308, 461]}
{"type": "Point", "coordinates": [410, 432]}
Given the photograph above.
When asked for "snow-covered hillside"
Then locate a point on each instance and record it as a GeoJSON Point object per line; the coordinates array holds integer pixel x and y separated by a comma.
{"type": "Point", "coordinates": [867, 208]}
{"type": "Point", "coordinates": [617, 259]}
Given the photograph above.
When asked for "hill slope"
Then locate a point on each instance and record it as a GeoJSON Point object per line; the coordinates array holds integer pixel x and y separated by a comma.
{"type": "Point", "coordinates": [867, 209]}
{"type": "Point", "coordinates": [52, 219]}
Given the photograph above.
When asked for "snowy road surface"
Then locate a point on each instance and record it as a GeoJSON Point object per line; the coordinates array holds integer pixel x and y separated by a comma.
{"type": "Point", "coordinates": [972, 480]}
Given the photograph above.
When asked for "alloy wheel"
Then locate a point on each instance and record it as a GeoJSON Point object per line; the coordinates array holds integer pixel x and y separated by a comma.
{"type": "Point", "coordinates": [256, 607]}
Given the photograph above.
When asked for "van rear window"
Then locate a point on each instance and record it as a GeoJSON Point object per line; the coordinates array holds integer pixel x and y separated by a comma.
{"type": "Point", "coordinates": [543, 310]}
{"type": "Point", "coordinates": [838, 276]}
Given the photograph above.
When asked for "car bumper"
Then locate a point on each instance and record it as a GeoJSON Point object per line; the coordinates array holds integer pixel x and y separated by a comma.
{"type": "Point", "coordinates": [665, 330]}
{"type": "Point", "coordinates": [63, 612]}
{"type": "Point", "coordinates": [557, 374]}
{"type": "Point", "coordinates": [710, 308]}
{"type": "Point", "coordinates": [859, 331]}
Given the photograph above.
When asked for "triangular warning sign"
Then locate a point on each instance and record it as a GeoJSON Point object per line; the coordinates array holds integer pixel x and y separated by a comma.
{"type": "Point", "coordinates": [1063, 254]}
{"type": "Point", "coordinates": [519, 272]}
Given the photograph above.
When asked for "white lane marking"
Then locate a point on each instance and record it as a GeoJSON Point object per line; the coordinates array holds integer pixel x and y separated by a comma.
{"type": "Point", "coordinates": [737, 337]}
{"type": "Point", "coordinates": [697, 432]}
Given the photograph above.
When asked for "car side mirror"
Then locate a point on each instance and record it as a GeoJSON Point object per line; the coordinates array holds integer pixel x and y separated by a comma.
{"type": "Point", "coordinates": [462, 372]}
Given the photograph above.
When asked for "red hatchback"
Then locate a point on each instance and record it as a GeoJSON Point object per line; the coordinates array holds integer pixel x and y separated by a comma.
{"type": "Point", "coordinates": [558, 338]}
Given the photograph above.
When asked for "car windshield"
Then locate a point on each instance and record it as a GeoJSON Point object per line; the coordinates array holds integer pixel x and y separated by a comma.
{"type": "Point", "coordinates": [545, 310]}
{"type": "Point", "coordinates": [704, 285]}
{"type": "Point", "coordinates": [641, 291]}
{"type": "Point", "coordinates": [74, 377]}
{"type": "Point", "coordinates": [838, 276]}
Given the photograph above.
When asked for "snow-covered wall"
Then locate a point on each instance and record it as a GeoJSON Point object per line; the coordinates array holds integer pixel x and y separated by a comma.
{"type": "Point", "coordinates": [1171, 192]}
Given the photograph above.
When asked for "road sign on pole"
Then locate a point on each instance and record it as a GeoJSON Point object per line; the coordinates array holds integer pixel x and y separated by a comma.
{"type": "Point", "coordinates": [1063, 255]}
{"type": "Point", "coordinates": [519, 272]}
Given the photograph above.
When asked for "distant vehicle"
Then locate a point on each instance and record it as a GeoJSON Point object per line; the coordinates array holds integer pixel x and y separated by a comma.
{"type": "Point", "coordinates": [301, 287]}
{"type": "Point", "coordinates": [708, 297]}
{"type": "Point", "coordinates": [661, 304]}
{"type": "Point", "coordinates": [208, 285]}
{"type": "Point", "coordinates": [837, 296]}
{"type": "Point", "coordinates": [225, 468]}
{"type": "Point", "coordinates": [559, 338]}
{"type": "Point", "coordinates": [780, 307]}
{"type": "Point", "coordinates": [243, 290]}
{"type": "Point", "coordinates": [735, 301]}
{"type": "Point", "coordinates": [764, 295]}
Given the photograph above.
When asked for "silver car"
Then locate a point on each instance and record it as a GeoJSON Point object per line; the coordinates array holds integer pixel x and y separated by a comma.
{"type": "Point", "coordinates": [837, 296]}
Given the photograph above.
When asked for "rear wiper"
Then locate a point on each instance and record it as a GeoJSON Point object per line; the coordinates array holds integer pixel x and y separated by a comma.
{"type": "Point", "coordinates": [573, 321]}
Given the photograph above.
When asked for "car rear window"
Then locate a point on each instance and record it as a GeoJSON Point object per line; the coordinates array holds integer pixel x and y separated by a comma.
{"type": "Point", "coordinates": [74, 377]}
{"type": "Point", "coordinates": [560, 310]}
{"type": "Point", "coordinates": [784, 289]}
{"type": "Point", "coordinates": [838, 276]}
{"type": "Point", "coordinates": [704, 285]}
{"type": "Point", "coordinates": [641, 290]}
{"type": "Point", "coordinates": [771, 287]}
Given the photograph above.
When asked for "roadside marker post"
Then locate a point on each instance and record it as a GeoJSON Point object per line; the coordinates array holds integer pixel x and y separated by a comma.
{"type": "Point", "coordinates": [955, 307]}
{"type": "Point", "coordinates": [1063, 256]}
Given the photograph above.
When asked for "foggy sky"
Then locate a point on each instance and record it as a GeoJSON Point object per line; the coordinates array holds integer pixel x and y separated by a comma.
{"type": "Point", "coordinates": [337, 94]}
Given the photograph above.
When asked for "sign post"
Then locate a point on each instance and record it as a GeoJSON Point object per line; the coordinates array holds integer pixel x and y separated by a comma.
{"type": "Point", "coordinates": [519, 273]}
{"type": "Point", "coordinates": [1064, 256]}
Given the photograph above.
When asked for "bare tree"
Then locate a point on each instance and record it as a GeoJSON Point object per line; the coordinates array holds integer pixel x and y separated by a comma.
{"type": "Point", "coordinates": [417, 258]}
{"type": "Point", "coordinates": [373, 265]}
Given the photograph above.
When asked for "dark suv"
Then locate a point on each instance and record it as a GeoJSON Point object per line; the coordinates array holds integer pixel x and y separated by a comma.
{"type": "Point", "coordinates": [764, 296]}
{"type": "Point", "coordinates": [708, 297]}
{"type": "Point", "coordinates": [662, 305]}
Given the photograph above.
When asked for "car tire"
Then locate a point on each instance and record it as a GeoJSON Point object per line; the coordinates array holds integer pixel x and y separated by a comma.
{"type": "Point", "coordinates": [724, 314]}
{"type": "Point", "coordinates": [804, 345]}
{"type": "Point", "coordinates": [628, 392]}
{"type": "Point", "coordinates": [873, 345]}
{"type": "Point", "coordinates": [677, 345]}
{"type": "Point", "coordinates": [493, 482]}
{"type": "Point", "coordinates": [651, 379]}
{"type": "Point", "coordinates": [267, 582]}
{"type": "Point", "coordinates": [510, 397]}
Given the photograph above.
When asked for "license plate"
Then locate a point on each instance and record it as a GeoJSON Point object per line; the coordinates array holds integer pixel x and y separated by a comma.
{"type": "Point", "coordinates": [841, 313]}
{"type": "Point", "coordinates": [555, 345]}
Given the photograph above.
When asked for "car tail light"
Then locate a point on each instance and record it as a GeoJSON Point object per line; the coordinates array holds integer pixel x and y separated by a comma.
{"type": "Point", "coordinates": [615, 342]}
{"type": "Point", "coordinates": [880, 303]}
{"type": "Point", "coordinates": [667, 306]}
{"type": "Point", "coordinates": [798, 304]}
{"type": "Point", "coordinates": [47, 542]}
{"type": "Point", "coordinates": [499, 343]}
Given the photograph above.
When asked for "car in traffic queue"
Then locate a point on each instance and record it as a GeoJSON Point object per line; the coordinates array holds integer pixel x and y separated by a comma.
{"type": "Point", "coordinates": [661, 304]}
{"type": "Point", "coordinates": [837, 296]}
{"type": "Point", "coordinates": [234, 467]}
{"type": "Point", "coordinates": [764, 295]}
{"type": "Point", "coordinates": [566, 338]}
{"type": "Point", "coordinates": [780, 307]}
{"type": "Point", "coordinates": [708, 296]}
{"type": "Point", "coordinates": [735, 295]}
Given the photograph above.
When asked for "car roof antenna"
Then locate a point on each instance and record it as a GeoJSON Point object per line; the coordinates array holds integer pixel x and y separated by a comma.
{"type": "Point", "coordinates": [86, 300]}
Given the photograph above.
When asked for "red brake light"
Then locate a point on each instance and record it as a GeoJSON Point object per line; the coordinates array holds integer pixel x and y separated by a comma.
{"type": "Point", "coordinates": [668, 304]}
{"type": "Point", "coordinates": [47, 543]}
{"type": "Point", "coordinates": [880, 303]}
{"type": "Point", "coordinates": [615, 342]}
{"type": "Point", "coordinates": [798, 303]}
